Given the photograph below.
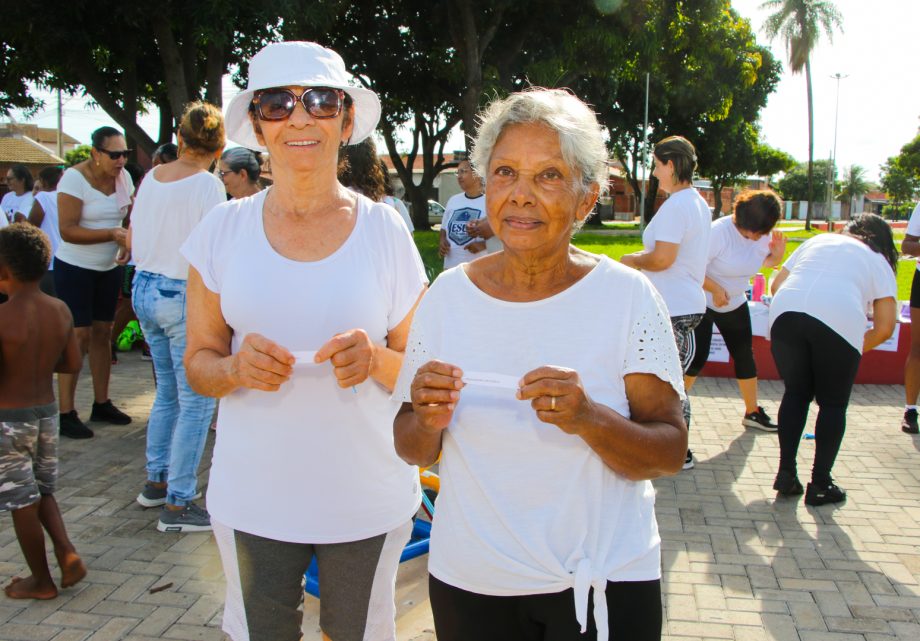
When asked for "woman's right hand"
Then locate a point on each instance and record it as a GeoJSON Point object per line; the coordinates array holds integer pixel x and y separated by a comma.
{"type": "Point", "coordinates": [261, 364]}
{"type": "Point", "coordinates": [720, 297]}
{"type": "Point", "coordinates": [435, 391]}
{"type": "Point", "coordinates": [120, 236]}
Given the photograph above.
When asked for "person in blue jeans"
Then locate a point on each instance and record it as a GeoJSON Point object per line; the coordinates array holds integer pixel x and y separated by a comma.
{"type": "Point", "coordinates": [170, 202]}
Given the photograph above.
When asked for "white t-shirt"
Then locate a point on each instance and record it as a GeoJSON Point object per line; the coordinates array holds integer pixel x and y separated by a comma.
{"type": "Point", "coordinates": [11, 204]}
{"type": "Point", "coordinates": [683, 219]}
{"type": "Point", "coordinates": [312, 462]}
{"type": "Point", "coordinates": [3, 222]}
{"type": "Point", "coordinates": [48, 202]}
{"type": "Point", "coordinates": [400, 208]}
{"type": "Point", "coordinates": [525, 508]}
{"type": "Point", "coordinates": [913, 226]}
{"type": "Point", "coordinates": [460, 210]}
{"type": "Point", "coordinates": [163, 216]}
{"type": "Point", "coordinates": [733, 259]}
{"type": "Point", "coordinates": [98, 212]}
{"type": "Point", "coordinates": [835, 278]}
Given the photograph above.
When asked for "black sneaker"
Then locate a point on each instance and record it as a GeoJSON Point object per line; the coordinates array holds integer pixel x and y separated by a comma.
{"type": "Point", "coordinates": [787, 484]}
{"type": "Point", "coordinates": [191, 518]}
{"type": "Point", "coordinates": [909, 422]}
{"type": "Point", "coordinates": [759, 421]}
{"type": "Point", "coordinates": [73, 427]}
{"type": "Point", "coordinates": [823, 494]}
{"type": "Point", "coordinates": [108, 413]}
{"type": "Point", "coordinates": [688, 462]}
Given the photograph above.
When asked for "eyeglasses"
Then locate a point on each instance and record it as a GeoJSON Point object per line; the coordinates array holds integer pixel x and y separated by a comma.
{"type": "Point", "coordinates": [115, 155]}
{"type": "Point", "coordinates": [224, 172]}
{"type": "Point", "coordinates": [278, 104]}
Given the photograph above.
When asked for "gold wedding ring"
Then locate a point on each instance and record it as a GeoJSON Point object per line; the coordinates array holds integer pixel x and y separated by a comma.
{"type": "Point", "coordinates": [552, 403]}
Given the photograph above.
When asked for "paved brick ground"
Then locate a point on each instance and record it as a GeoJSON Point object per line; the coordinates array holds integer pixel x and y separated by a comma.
{"type": "Point", "coordinates": [738, 563]}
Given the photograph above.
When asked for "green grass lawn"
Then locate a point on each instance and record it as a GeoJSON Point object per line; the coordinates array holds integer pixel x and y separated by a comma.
{"type": "Point", "coordinates": [617, 246]}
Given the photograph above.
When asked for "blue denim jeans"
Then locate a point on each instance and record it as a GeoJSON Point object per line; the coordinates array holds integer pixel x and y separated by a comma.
{"type": "Point", "coordinates": [179, 420]}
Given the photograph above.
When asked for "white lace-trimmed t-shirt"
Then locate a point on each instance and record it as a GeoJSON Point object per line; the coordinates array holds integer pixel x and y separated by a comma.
{"type": "Point", "coordinates": [525, 508]}
{"type": "Point", "coordinates": [733, 259]}
{"type": "Point", "coordinates": [312, 462]}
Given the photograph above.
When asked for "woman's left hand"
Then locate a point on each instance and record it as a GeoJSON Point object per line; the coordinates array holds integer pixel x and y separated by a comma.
{"type": "Point", "coordinates": [777, 243]}
{"type": "Point", "coordinates": [557, 395]}
{"type": "Point", "coordinates": [352, 356]}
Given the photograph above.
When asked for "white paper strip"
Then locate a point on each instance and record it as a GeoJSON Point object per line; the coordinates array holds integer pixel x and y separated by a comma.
{"type": "Point", "coordinates": [305, 357]}
{"type": "Point", "coordinates": [490, 379]}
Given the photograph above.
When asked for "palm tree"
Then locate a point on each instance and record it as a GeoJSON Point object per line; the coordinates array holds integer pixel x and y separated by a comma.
{"type": "Point", "coordinates": [854, 185]}
{"type": "Point", "coordinates": [800, 23]}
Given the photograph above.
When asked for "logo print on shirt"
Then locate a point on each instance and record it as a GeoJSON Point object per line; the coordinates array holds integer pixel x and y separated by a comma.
{"type": "Point", "coordinates": [456, 228]}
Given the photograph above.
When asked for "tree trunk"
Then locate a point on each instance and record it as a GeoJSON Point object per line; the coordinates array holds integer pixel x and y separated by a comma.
{"type": "Point", "coordinates": [811, 144]}
{"type": "Point", "coordinates": [173, 66]}
{"type": "Point", "coordinates": [128, 82]}
{"type": "Point", "coordinates": [717, 199]}
{"type": "Point", "coordinates": [214, 72]}
{"type": "Point", "coordinates": [466, 38]}
{"type": "Point", "coordinates": [471, 45]}
{"type": "Point", "coordinates": [96, 87]}
{"type": "Point", "coordinates": [651, 194]}
{"type": "Point", "coordinates": [167, 125]}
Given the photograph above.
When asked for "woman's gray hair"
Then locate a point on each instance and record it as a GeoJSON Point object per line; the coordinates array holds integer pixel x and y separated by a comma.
{"type": "Point", "coordinates": [581, 138]}
{"type": "Point", "coordinates": [238, 158]}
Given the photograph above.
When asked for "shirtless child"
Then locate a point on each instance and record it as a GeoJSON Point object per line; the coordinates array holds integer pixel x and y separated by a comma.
{"type": "Point", "coordinates": [36, 340]}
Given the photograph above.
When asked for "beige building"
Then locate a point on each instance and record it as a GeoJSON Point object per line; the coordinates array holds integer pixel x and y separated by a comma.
{"type": "Point", "coordinates": [17, 146]}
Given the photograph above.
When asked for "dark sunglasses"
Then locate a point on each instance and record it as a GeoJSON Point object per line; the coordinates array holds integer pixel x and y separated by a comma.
{"type": "Point", "coordinates": [278, 104]}
{"type": "Point", "coordinates": [115, 155]}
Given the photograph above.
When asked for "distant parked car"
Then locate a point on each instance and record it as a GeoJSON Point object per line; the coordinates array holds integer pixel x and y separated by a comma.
{"type": "Point", "coordinates": [435, 211]}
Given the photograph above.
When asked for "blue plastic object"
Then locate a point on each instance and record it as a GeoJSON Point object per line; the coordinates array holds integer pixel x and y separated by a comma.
{"type": "Point", "coordinates": [417, 546]}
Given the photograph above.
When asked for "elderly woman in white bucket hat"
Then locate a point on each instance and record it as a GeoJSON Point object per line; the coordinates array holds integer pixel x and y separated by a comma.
{"type": "Point", "coordinates": [300, 301]}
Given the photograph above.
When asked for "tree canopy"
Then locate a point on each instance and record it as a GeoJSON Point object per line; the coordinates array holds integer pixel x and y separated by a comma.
{"type": "Point", "coordinates": [433, 65]}
{"type": "Point", "coordinates": [771, 161]}
{"type": "Point", "coordinates": [794, 185]}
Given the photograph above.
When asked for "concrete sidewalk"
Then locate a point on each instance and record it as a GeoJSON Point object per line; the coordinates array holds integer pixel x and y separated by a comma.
{"type": "Point", "coordinates": [738, 563]}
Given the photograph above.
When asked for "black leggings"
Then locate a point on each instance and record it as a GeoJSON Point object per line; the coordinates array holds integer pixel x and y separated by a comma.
{"type": "Point", "coordinates": [633, 608]}
{"type": "Point", "coordinates": [735, 327]}
{"type": "Point", "coordinates": [815, 362]}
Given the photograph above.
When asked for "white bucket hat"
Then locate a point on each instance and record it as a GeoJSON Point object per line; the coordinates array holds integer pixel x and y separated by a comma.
{"type": "Point", "coordinates": [304, 64]}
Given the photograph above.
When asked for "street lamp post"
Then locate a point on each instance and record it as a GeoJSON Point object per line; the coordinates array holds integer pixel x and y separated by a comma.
{"type": "Point", "coordinates": [832, 170]}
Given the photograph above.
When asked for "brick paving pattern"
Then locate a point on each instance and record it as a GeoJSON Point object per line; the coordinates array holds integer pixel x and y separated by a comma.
{"type": "Point", "coordinates": [738, 563]}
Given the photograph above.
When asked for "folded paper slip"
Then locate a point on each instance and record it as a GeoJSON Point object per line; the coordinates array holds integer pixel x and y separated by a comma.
{"type": "Point", "coordinates": [490, 379]}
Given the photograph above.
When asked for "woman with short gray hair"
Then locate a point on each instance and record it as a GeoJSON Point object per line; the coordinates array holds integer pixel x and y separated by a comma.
{"type": "Point", "coordinates": [239, 169]}
{"type": "Point", "coordinates": [547, 437]}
